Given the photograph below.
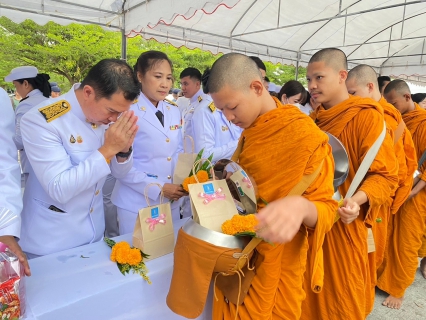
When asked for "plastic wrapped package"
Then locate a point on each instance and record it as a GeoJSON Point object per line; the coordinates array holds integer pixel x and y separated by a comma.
{"type": "Point", "coordinates": [12, 287]}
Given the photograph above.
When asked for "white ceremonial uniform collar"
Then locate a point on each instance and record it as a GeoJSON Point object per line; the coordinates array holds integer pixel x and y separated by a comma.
{"type": "Point", "coordinates": [195, 97]}
{"type": "Point", "coordinates": [75, 105]}
{"type": "Point", "coordinates": [35, 92]}
{"type": "Point", "coordinates": [150, 105]}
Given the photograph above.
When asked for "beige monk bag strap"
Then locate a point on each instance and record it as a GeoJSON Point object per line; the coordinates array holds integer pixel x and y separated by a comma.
{"type": "Point", "coordinates": [360, 175]}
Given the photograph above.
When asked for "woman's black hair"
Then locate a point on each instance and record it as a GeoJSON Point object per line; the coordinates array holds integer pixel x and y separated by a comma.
{"type": "Point", "coordinates": [40, 82]}
{"type": "Point", "coordinates": [418, 97]}
{"type": "Point", "coordinates": [292, 88]}
{"type": "Point", "coordinates": [148, 59]}
{"type": "Point", "coordinates": [205, 80]}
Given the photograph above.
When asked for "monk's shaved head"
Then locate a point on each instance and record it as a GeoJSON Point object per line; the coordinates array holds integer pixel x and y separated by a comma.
{"type": "Point", "coordinates": [332, 57]}
{"type": "Point", "coordinates": [234, 70]}
{"type": "Point", "coordinates": [363, 74]}
{"type": "Point", "coordinates": [400, 87]}
{"type": "Point", "coordinates": [398, 94]}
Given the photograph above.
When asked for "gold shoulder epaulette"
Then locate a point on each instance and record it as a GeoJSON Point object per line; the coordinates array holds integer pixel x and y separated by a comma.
{"type": "Point", "coordinates": [212, 107]}
{"type": "Point", "coordinates": [55, 110]}
{"type": "Point", "coordinates": [171, 102]}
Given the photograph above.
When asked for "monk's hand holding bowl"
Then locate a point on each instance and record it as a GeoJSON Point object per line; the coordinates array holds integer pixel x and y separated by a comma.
{"type": "Point", "coordinates": [350, 210]}
{"type": "Point", "coordinates": [280, 220]}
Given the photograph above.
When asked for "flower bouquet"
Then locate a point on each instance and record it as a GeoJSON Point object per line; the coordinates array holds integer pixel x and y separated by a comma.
{"type": "Point", "coordinates": [200, 172]}
{"type": "Point", "coordinates": [128, 258]}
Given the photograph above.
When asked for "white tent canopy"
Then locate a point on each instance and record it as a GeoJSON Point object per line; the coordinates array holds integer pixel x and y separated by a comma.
{"type": "Point", "coordinates": [386, 34]}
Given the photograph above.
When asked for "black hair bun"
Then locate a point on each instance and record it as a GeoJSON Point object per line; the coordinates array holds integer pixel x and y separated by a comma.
{"type": "Point", "coordinates": [205, 80]}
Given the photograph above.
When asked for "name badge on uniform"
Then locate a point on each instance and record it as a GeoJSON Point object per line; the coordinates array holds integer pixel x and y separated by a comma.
{"type": "Point", "coordinates": [151, 175]}
{"type": "Point", "coordinates": [225, 128]}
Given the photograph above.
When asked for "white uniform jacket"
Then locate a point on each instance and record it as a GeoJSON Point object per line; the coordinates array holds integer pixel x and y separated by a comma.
{"type": "Point", "coordinates": [199, 100]}
{"type": "Point", "coordinates": [214, 133]}
{"type": "Point", "coordinates": [33, 99]}
{"type": "Point", "coordinates": [155, 153]}
{"type": "Point", "coordinates": [63, 205]}
{"type": "Point", "coordinates": [10, 173]}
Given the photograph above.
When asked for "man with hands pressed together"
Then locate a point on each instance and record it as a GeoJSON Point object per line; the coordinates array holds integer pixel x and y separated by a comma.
{"type": "Point", "coordinates": [72, 150]}
{"type": "Point", "coordinates": [357, 123]}
{"type": "Point", "coordinates": [270, 150]}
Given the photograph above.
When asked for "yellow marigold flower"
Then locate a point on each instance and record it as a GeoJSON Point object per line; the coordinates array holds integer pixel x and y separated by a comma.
{"type": "Point", "coordinates": [134, 257]}
{"type": "Point", "coordinates": [202, 176]}
{"type": "Point", "coordinates": [123, 245]}
{"type": "Point", "coordinates": [185, 184]}
{"type": "Point", "coordinates": [192, 180]}
{"type": "Point", "coordinates": [122, 249]}
{"type": "Point", "coordinates": [239, 224]}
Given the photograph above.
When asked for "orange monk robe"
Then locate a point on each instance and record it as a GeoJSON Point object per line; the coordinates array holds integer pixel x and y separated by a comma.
{"type": "Point", "coordinates": [346, 294]}
{"type": "Point", "coordinates": [400, 264]}
{"type": "Point", "coordinates": [407, 164]}
{"type": "Point", "coordinates": [279, 148]}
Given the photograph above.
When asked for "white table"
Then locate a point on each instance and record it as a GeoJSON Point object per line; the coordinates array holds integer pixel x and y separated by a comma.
{"type": "Point", "coordinates": [64, 286]}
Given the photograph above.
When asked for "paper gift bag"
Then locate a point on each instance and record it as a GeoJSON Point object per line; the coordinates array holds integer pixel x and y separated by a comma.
{"type": "Point", "coordinates": [184, 163]}
{"type": "Point", "coordinates": [211, 202]}
{"type": "Point", "coordinates": [153, 231]}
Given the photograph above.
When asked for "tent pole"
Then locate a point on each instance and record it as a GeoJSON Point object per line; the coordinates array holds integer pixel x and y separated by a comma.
{"type": "Point", "coordinates": [123, 45]}
{"type": "Point", "coordinates": [297, 65]}
{"type": "Point", "coordinates": [123, 34]}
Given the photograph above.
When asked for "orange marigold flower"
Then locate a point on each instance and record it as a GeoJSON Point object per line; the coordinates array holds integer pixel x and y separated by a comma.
{"type": "Point", "coordinates": [202, 176]}
{"type": "Point", "coordinates": [192, 180]}
{"type": "Point", "coordinates": [239, 224]}
{"type": "Point", "coordinates": [185, 184]}
{"type": "Point", "coordinates": [123, 245]}
{"type": "Point", "coordinates": [120, 251]}
{"type": "Point", "coordinates": [134, 257]}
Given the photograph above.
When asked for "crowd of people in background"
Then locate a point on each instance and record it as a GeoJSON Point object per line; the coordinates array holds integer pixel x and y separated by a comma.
{"type": "Point", "coordinates": [87, 156]}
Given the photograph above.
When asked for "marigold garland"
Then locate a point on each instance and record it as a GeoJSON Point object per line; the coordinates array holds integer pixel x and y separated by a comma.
{"type": "Point", "coordinates": [128, 258]}
{"type": "Point", "coordinates": [240, 224]}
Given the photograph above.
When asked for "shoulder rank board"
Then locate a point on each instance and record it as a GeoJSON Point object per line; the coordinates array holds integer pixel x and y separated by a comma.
{"type": "Point", "coordinates": [171, 102]}
{"type": "Point", "coordinates": [212, 107]}
{"type": "Point", "coordinates": [55, 110]}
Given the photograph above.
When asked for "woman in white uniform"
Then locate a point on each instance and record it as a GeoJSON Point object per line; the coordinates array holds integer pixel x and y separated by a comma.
{"type": "Point", "coordinates": [34, 88]}
{"type": "Point", "coordinates": [156, 146]}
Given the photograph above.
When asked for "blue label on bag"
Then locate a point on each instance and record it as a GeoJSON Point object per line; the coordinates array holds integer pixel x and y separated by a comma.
{"type": "Point", "coordinates": [244, 174]}
{"type": "Point", "coordinates": [208, 188]}
{"type": "Point", "coordinates": [155, 213]}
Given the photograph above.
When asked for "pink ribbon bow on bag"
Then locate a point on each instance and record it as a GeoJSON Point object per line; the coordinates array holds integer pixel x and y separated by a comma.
{"type": "Point", "coordinates": [218, 195]}
{"type": "Point", "coordinates": [154, 221]}
{"type": "Point", "coordinates": [248, 182]}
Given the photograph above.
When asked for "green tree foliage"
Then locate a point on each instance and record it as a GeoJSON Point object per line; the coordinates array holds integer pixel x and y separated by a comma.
{"type": "Point", "coordinates": [66, 53]}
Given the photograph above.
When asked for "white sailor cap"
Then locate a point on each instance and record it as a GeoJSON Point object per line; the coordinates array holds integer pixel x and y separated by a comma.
{"type": "Point", "coordinates": [24, 72]}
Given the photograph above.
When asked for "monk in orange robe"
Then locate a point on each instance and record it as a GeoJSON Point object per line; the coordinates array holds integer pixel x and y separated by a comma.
{"type": "Point", "coordinates": [400, 264]}
{"type": "Point", "coordinates": [362, 82]}
{"type": "Point", "coordinates": [278, 147]}
{"type": "Point", "coordinates": [357, 122]}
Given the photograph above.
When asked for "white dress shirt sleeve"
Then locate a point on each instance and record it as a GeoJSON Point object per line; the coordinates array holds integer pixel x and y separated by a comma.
{"type": "Point", "coordinates": [10, 173]}
{"type": "Point", "coordinates": [59, 177]}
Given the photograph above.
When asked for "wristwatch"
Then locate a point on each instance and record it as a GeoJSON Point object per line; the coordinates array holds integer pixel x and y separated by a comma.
{"type": "Point", "coordinates": [125, 154]}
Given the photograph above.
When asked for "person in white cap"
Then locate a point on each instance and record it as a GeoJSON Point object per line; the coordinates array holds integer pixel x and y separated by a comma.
{"type": "Point", "coordinates": [10, 181]}
{"type": "Point", "coordinates": [34, 88]}
{"type": "Point", "coordinates": [72, 150]}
